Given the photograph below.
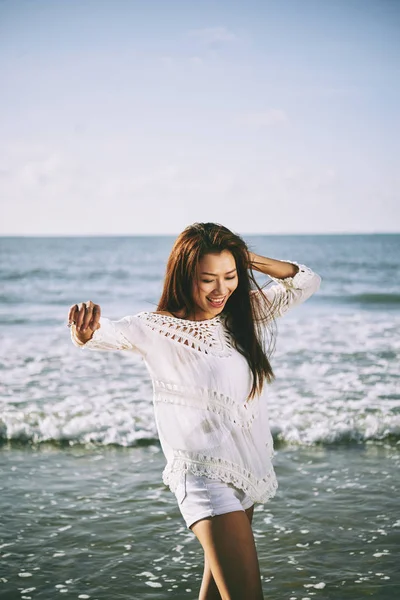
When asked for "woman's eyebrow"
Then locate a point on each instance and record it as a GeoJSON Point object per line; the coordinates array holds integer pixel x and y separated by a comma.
{"type": "Point", "coordinates": [227, 273]}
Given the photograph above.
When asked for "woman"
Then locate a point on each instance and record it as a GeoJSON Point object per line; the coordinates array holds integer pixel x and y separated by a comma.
{"type": "Point", "coordinates": [205, 349]}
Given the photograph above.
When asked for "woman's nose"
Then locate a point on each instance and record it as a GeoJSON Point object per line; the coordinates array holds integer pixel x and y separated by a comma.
{"type": "Point", "coordinates": [221, 288]}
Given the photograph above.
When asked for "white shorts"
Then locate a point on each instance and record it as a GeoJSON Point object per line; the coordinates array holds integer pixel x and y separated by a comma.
{"type": "Point", "coordinates": [199, 497]}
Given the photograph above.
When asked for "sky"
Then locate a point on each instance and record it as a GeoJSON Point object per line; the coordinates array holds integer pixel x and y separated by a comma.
{"type": "Point", "coordinates": [126, 117]}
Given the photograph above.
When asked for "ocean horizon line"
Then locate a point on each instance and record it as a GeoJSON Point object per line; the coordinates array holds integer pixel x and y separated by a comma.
{"type": "Point", "coordinates": [171, 235]}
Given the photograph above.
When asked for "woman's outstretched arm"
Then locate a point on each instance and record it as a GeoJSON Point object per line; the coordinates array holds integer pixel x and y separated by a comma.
{"type": "Point", "coordinates": [90, 330]}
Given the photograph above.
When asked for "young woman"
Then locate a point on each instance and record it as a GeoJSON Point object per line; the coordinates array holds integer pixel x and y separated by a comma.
{"type": "Point", "coordinates": [206, 351]}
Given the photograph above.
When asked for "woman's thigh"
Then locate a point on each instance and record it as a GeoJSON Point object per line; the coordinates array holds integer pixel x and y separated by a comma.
{"type": "Point", "coordinates": [230, 550]}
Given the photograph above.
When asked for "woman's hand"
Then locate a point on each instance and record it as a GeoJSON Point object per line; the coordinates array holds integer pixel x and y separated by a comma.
{"type": "Point", "coordinates": [252, 261]}
{"type": "Point", "coordinates": [280, 269]}
{"type": "Point", "coordinates": [84, 317]}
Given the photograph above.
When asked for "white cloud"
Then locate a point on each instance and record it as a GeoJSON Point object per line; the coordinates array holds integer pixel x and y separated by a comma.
{"type": "Point", "coordinates": [55, 190]}
{"type": "Point", "coordinates": [27, 165]}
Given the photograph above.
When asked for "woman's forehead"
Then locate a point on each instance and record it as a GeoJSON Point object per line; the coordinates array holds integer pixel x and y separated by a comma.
{"type": "Point", "coordinates": [217, 262]}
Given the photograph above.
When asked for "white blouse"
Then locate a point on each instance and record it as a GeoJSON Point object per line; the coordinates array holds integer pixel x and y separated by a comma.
{"type": "Point", "coordinates": [200, 386]}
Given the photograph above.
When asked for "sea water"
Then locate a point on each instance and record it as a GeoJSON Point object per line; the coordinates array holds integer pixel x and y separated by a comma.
{"type": "Point", "coordinates": [83, 510]}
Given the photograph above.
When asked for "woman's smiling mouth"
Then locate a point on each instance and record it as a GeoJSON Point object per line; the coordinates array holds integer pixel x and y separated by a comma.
{"type": "Point", "coordinates": [216, 302]}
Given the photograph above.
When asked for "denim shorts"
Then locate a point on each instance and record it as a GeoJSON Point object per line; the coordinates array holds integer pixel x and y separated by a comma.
{"type": "Point", "coordinates": [199, 497]}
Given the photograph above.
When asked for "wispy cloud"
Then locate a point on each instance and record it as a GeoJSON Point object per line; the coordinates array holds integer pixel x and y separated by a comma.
{"type": "Point", "coordinates": [212, 35]}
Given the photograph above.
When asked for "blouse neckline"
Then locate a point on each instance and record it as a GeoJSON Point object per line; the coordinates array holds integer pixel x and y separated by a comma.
{"type": "Point", "coordinates": [215, 319]}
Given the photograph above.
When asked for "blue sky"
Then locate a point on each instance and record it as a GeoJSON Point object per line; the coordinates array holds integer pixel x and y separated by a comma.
{"type": "Point", "coordinates": [125, 117]}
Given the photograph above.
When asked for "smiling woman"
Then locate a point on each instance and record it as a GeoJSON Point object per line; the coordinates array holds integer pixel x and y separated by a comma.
{"type": "Point", "coordinates": [216, 280]}
{"type": "Point", "coordinates": [204, 349]}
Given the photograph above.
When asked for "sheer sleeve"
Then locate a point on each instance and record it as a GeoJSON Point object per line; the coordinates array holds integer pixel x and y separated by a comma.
{"type": "Point", "coordinates": [129, 333]}
{"type": "Point", "coordinates": [291, 291]}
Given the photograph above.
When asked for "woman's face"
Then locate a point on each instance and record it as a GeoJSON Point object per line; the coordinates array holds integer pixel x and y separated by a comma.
{"type": "Point", "coordinates": [216, 280]}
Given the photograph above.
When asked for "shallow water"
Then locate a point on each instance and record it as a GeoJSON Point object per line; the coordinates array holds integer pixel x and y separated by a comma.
{"type": "Point", "coordinates": [98, 524]}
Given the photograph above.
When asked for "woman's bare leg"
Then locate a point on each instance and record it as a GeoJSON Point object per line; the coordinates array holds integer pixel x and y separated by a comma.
{"type": "Point", "coordinates": [209, 589]}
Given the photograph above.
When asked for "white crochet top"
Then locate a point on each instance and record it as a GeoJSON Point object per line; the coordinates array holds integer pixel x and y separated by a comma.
{"type": "Point", "coordinates": [200, 386]}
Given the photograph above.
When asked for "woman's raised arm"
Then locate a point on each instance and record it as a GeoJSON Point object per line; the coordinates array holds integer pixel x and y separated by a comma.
{"type": "Point", "coordinates": [290, 289]}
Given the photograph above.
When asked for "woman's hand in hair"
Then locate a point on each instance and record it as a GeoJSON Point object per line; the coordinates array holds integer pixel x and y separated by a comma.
{"type": "Point", "coordinates": [252, 261]}
{"type": "Point", "coordinates": [280, 269]}
{"type": "Point", "coordinates": [84, 318]}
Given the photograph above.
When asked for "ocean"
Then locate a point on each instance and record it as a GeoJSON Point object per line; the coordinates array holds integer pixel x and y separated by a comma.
{"type": "Point", "coordinates": [83, 510]}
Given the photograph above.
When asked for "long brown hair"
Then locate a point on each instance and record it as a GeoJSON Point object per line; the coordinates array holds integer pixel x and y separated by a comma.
{"type": "Point", "coordinates": [246, 311]}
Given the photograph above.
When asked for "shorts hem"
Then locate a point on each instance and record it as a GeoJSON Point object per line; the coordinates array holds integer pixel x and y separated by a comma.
{"type": "Point", "coordinates": [251, 503]}
{"type": "Point", "coordinates": [213, 513]}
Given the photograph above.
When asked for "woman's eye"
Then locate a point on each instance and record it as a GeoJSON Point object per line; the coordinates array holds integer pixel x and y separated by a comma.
{"type": "Point", "coordinates": [210, 280]}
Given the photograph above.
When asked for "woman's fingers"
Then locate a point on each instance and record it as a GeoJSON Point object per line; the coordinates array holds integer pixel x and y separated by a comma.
{"type": "Point", "coordinates": [79, 315]}
{"type": "Point", "coordinates": [84, 314]}
{"type": "Point", "coordinates": [72, 314]}
{"type": "Point", "coordinates": [87, 315]}
{"type": "Point", "coordinates": [95, 317]}
{"type": "Point", "coordinates": [91, 317]}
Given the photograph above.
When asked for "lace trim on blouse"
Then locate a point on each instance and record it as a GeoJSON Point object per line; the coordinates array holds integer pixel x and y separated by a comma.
{"type": "Point", "coordinates": [207, 336]}
{"type": "Point", "coordinates": [260, 490]}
